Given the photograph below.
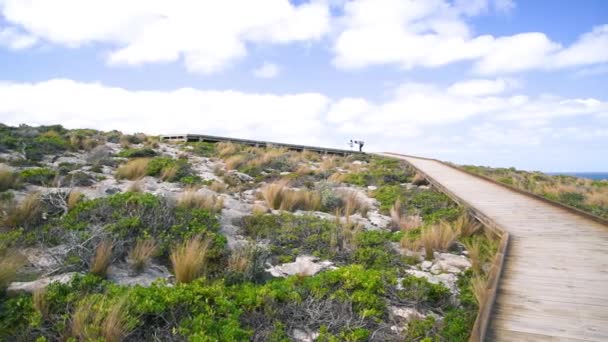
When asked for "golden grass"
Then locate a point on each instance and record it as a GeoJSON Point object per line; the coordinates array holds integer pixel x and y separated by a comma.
{"type": "Point", "coordinates": [259, 209]}
{"type": "Point", "coordinates": [136, 186]}
{"type": "Point", "coordinates": [240, 260]}
{"type": "Point", "coordinates": [90, 322]}
{"type": "Point", "coordinates": [141, 253]}
{"type": "Point", "coordinates": [337, 177]}
{"type": "Point", "coordinates": [218, 187]}
{"type": "Point", "coordinates": [479, 287]}
{"type": "Point", "coordinates": [466, 226]}
{"type": "Point", "coordinates": [273, 194]}
{"type": "Point", "coordinates": [40, 303]}
{"type": "Point", "coordinates": [437, 238]}
{"type": "Point", "coordinates": [114, 326]}
{"type": "Point", "coordinates": [419, 180]}
{"type": "Point", "coordinates": [189, 259]}
{"type": "Point", "coordinates": [8, 179]}
{"type": "Point", "coordinates": [28, 210]}
{"type": "Point", "coordinates": [101, 258]}
{"type": "Point", "coordinates": [134, 169]}
{"type": "Point", "coordinates": [474, 248]}
{"type": "Point", "coordinates": [304, 170]}
{"type": "Point", "coordinates": [310, 155]}
{"type": "Point", "coordinates": [402, 222]}
{"type": "Point", "coordinates": [597, 198]}
{"type": "Point", "coordinates": [10, 262]}
{"type": "Point", "coordinates": [328, 163]}
{"type": "Point", "coordinates": [235, 161]}
{"type": "Point", "coordinates": [198, 200]}
{"type": "Point", "coordinates": [168, 173]}
{"type": "Point", "coordinates": [302, 199]}
{"type": "Point", "coordinates": [353, 202]}
{"type": "Point", "coordinates": [225, 149]}
{"type": "Point", "coordinates": [73, 198]}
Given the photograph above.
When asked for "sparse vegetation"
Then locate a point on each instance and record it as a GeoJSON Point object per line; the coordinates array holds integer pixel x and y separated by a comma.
{"type": "Point", "coordinates": [141, 253]}
{"type": "Point", "coordinates": [223, 291]}
{"type": "Point", "coordinates": [101, 258]}
{"type": "Point", "coordinates": [189, 259]}
{"type": "Point", "coordinates": [134, 169]}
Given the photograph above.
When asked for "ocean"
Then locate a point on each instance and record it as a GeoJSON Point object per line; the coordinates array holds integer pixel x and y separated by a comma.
{"type": "Point", "coordinates": [590, 175]}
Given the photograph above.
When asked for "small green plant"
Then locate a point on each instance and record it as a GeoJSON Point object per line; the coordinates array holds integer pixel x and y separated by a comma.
{"type": "Point", "coordinates": [39, 176]}
{"type": "Point", "coordinates": [137, 153]}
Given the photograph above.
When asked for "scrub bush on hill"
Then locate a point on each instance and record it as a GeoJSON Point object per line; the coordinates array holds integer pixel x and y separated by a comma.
{"type": "Point", "coordinates": [380, 171]}
{"type": "Point", "coordinates": [38, 176]}
{"type": "Point", "coordinates": [137, 153]}
{"type": "Point", "coordinates": [129, 216]}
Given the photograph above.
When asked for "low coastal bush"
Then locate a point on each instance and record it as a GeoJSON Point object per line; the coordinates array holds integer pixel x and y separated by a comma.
{"type": "Point", "coordinates": [137, 153]}
{"type": "Point", "coordinates": [8, 179]}
{"type": "Point", "coordinates": [39, 176]}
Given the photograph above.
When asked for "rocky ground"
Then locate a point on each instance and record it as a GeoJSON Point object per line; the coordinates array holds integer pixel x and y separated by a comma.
{"type": "Point", "coordinates": [243, 194]}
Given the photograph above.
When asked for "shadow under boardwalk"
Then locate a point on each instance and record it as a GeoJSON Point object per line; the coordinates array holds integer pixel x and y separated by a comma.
{"type": "Point", "coordinates": [554, 285]}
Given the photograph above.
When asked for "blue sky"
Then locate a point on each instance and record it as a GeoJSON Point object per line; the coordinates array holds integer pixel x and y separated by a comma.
{"type": "Point", "coordinates": [491, 82]}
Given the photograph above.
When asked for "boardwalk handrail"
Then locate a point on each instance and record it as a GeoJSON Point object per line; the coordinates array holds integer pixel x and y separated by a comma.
{"type": "Point", "coordinates": [569, 208]}
{"type": "Point", "coordinates": [257, 143]}
{"type": "Point", "coordinates": [482, 321]}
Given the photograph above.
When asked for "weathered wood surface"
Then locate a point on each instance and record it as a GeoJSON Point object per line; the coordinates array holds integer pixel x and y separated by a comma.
{"type": "Point", "coordinates": [554, 285]}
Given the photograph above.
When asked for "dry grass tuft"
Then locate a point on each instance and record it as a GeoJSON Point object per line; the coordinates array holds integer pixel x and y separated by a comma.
{"type": "Point", "coordinates": [115, 324]}
{"type": "Point", "coordinates": [465, 226]}
{"type": "Point", "coordinates": [101, 258]}
{"type": "Point", "coordinates": [353, 202]}
{"type": "Point", "coordinates": [141, 253]}
{"type": "Point", "coordinates": [402, 222]}
{"type": "Point", "coordinates": [474, 248]}
{"type": "Point", "coordinates": [479, 287]}
{"type": "Point", "coordinates": [133, 170]}
{"type": "Point", "coordinates": [189, 259]}
{"type": "Point", "coordinates": [198, 200]}
{"type": "Point", "coordinates": [240, 260]}
{"type": "Point", "coordinates": [235, 161]}
{"type": "Point", "coordinates": [136, 186]}
{"type": "Point", "coordinates": [8, 179]}
{"type": "Point", "coordinates": [218, 187]}
{"type": "Point", "coordinates": [419, 180]}
{"type": "Point", "coordinates": [40, 303]}
{"type": "Point", "coordinates": [439, 237]}
{"type": "Point", "coordinates": [259, 209]}
{"type": "Point", "coordinates": [168, 173]}
{"type": "Point", "coordinates": [337, 177]}
{"type": "Point", "coordinates": [73, 198]}
{"type": "Point", "coordinates": [91, 323]}
{"type": "Point", "coordinates": [273, 194]}
{"type": "Point", "coordinates": [9, 264]}
{"type": "Point", "coordinates": [27, 211]}
{"type": "Point", "coordinates": [225, 149]}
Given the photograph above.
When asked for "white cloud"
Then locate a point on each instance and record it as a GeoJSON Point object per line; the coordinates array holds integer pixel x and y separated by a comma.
{"type": "Point", "coordinates": [476, 87]}
{"type": "Point", "coordinates": [15, 40]}
{"type": "Point", "coordinates": [208, 35]}
{"type": "Point", "coordinates": [417, 118]}
{"type": "Point", "coordinates": [267, 70]}
{"type": "Point", "coordinates": [435, 33]}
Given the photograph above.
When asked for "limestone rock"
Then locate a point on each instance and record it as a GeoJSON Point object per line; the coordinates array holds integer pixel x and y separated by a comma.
{"type": "Point", "coordinates": [31, 286]}
{"type": "Point", "coordinates": [447, 279]}
{"type": "Point", "coordinates": [304, 264]}
{"type": "Point", "coordinates": [302, 335]}
{"type": "Point", "coordinates": [450, 263]}
{"type": "Point", "coordinates": [121, 274]}
{"type": "Point", "coordinates": [45, 258]}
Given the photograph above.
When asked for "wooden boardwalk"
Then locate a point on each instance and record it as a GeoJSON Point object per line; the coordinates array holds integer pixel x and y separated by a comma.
{"type": "Point", "coordinates": [554, 285]}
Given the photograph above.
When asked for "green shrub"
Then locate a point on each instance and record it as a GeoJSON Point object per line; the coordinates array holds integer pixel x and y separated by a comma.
{"type": "Point", "coordinates": [130, 215]}
{"type": "Point", "coordinates": [137, 153]}
{"type": "Point", "coordinates": [419, 329]}
{"type": "Point", "coordinates": [8, 179]}
{"type": "Point", "coordinates": [203, 149]}
{"type": "Point", "coordinates": [290, 234]}
{"type": "Point", "coordinates": [421, 291]}
{"type": "Point", "coordinates": [172, 170]}
{"type": "Point", "coordinates": [38, 176]}
{"type": "Point", "coordinates": [387, 195]}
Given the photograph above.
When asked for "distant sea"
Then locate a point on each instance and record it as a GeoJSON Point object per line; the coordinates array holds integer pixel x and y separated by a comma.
{"type": "Point", "coordinates": [590, 175]}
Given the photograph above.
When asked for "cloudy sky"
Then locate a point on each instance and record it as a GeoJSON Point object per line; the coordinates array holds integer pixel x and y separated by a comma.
{"type": "Point", "coordinates": [490, 82]}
